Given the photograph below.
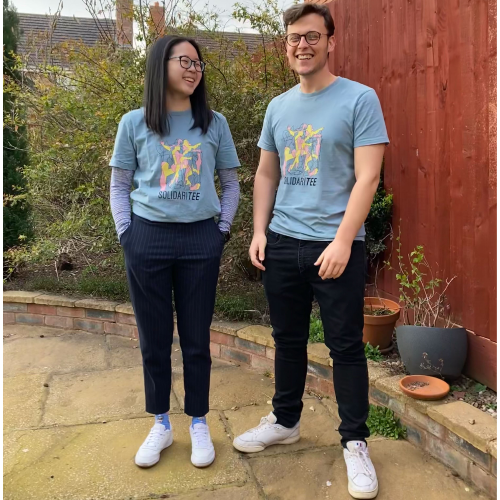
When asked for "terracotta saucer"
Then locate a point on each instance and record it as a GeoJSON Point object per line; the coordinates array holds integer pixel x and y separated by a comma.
{"type": "Point", "coordinates": [435, 388]}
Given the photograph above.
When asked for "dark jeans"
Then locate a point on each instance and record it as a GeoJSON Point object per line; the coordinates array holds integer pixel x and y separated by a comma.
{"type": "Point", "coordinates": [291, 281]}
{"type": "Point", "coordinates": [161, 257]}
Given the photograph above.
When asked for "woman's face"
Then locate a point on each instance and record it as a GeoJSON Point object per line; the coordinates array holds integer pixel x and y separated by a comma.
{"type": "Point", "coordinates": [182, 80]}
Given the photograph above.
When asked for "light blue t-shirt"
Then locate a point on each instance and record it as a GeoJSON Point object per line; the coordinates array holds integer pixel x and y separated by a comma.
{"type": "Point", "coordinates": [315, 136]}
{"type": "Point", "coordinates": [174, 174]}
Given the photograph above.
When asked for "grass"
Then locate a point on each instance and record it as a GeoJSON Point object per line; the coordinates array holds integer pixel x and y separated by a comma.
{"type": "Point", "coordinates": [93, 286]}
{"type": "Point", "coordinates": [92, 282]}
{"type": "Point", "coordinates": [103, 278]}
{"type": "Point", "coordinates": [382, 422]}
{"type": "Point", "coordinates": [249, 306]}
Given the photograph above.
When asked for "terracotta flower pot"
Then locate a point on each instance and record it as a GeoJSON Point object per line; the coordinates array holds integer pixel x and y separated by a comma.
{"type": "Point", "coordinates": [424, 387]}
{"type": "Point", "coordinates": [378, 329]}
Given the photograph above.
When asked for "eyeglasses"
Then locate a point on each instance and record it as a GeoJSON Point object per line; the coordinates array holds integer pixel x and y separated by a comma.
{"type": "Point", "coordinates": [187, 62]}
{"type": "Point", "coordinates": [312, 38]}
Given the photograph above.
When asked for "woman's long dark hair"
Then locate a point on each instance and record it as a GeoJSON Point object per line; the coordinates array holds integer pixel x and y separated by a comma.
{"type": "Point", "coordinates": [155, 88]}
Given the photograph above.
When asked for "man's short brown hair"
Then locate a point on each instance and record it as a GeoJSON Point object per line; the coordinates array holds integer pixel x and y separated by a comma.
{"type": "Point", "coordinates": [293, 14]}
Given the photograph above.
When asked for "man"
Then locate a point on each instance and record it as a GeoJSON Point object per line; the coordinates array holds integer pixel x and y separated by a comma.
{"type": "Point", "coordinates": [322, 146]}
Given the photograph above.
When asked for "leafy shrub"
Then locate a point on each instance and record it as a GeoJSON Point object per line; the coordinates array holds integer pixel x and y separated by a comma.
{"type": "Point", "coordinates": [381, 421]}
{"type": "Point", "coordinates": [16, 222]}
{"type": "Point", "coordinates": [373, 352]}
{"type": "Point", "coordinates": [316, 332]}
{"type": "Point", "coordinates": [378, 222]}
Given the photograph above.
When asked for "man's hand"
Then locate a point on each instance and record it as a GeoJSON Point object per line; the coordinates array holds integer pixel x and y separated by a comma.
{"type": "Point", "coordinates": [257, 250]}
{"type": "Point", "coordinates": [334, 259]}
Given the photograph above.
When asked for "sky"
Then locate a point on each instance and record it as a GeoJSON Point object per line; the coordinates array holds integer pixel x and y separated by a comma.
{"type": "Point", "coordinates": [77, 8]}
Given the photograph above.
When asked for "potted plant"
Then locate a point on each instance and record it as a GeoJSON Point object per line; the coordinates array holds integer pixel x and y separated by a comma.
{"type": "Point", "coordinates": [428, 342]}
{"type": "Point", "coordinates": [380, 317]}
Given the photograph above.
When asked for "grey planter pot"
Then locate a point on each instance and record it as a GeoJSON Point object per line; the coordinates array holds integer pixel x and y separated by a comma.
{"type": "Point", "coordinates": [433, 351]}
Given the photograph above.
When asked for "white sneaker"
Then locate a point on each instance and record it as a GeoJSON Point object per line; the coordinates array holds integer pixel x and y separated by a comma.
{"type": "Point", "coordinates": [361, 474]}
{"type": "Point", "coordinates": [203, 452]}
{"type": "Point", "coordinates": [158, 439]}
{"type": "Point", "coordinates": [267, 433]}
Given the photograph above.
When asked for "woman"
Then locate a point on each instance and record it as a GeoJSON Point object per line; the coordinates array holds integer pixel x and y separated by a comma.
{"type": "Point", "coordinates": [170, 150]}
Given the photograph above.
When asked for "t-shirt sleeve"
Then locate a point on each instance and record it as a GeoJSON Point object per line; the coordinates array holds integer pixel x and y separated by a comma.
{"type": "Point", "coordinates": [124, 154]}
{"type": "Point", "coordinates": [369, 124]}
{"type": "Point", "coordinates": [266, 140]}
{"type": "Point", "coordinates": [227, 157]}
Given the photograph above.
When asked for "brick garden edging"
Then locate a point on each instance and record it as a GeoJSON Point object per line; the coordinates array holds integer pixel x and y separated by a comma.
{"type": "Point", "coordinates": [445, 430]}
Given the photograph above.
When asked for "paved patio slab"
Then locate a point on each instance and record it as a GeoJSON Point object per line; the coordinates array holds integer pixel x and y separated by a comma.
{"type": "Point", "coordinates": [97, 462]}
{"type": "Point", "coordinates": [23, 397]}
{"type": "Point", "coordinates": [78, 398]}
{"type": "Point", "coordinates": [232, 386]}
{"type": "Point", "coordinates": [59, 389]}
{"type": "Point", "coordinates": [60, 354]}
{"type": "Point", "coordinates": [404, 472]}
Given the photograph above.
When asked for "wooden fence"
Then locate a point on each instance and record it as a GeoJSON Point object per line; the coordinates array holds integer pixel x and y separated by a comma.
{"type": "Point", "coordinates": [433, 65]}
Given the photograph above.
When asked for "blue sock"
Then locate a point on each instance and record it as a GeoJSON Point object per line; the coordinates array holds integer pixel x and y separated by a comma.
{"type": "Point", "coordinates": [163, 419]}
{"type": "Point", "coordinates": [199, 420]}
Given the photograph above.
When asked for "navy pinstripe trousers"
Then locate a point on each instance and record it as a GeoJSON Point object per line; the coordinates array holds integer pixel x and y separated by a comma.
{"type": "Point", "coordinates": [161, 257]}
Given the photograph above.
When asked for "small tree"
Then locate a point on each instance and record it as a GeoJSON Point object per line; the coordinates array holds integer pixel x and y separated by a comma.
{"type": "Point", "coordinates": [422, 293]}
{"type": "Point", "coordinates": [16, 227]}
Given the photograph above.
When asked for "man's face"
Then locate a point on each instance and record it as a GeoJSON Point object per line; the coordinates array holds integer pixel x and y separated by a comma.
{"type": "Point", "coordinates": [305, 58]}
